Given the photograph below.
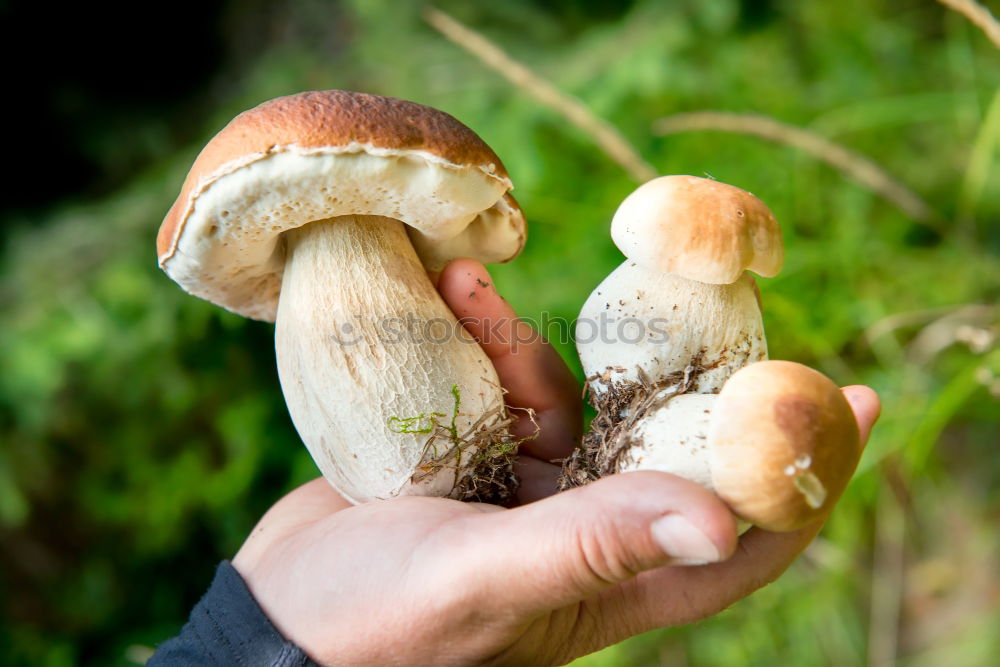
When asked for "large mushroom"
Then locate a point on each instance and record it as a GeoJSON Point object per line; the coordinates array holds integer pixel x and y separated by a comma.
{"type": "Point", "coordinates": [324, 211]}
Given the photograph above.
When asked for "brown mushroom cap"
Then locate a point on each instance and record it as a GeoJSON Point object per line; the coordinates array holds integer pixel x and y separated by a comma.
{"type": "Point", "coordinates": [699, 229]}
{"type": "Point", "coordinates": [324, 154]}
{"type": "Point", "coordinates": [784, 444]}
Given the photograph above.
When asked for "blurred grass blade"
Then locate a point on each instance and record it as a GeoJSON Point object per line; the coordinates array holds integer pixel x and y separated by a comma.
{"type": "Point", "coordinates": [602, 133]}
{"type": "Point", "coordinates": [978, 15]}
{"type": "Point", "coordinates": [943, 408]}
{"type": "Point", "coordinates": [981, 159]}
{"type": "Point", "coordinates": [855, 166]}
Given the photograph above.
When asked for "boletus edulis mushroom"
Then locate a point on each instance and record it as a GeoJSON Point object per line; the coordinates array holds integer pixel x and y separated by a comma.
{"type": "Point", "coordinates": [780, 442]}
{"type": "Point", "coordinates": [324, 212]}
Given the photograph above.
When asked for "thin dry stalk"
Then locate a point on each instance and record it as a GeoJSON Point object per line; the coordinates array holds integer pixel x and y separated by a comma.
{"type": "Point", "coordinates": [855, 166]}
{"type": "Point", "coordinates": [978, 15]}
{"type": "Point", "coordinates": [887, 578]}
{"type": "Point", "coordinates": [890, 323]}
{"type": "Point", "coordinates": [974, 325]}
{"type": "Point", "coordinates": [969, 323]}
{"type": "Point", "coordinates": [602, 133]}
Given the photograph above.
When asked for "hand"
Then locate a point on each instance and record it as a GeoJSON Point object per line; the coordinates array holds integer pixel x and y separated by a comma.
{"type": "Point", "coordinates": [431, 581]}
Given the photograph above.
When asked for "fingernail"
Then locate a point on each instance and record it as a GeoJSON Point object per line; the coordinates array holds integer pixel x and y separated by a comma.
{"type": "Point", "coordinates": [680, 540]}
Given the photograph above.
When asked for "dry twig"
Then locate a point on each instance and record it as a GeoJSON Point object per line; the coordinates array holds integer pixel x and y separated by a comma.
{"type": "Point", "coordinates": [894, 321]}
{"type": "Point", "coordinates": [973, 325]}
{"type": "Point", "coordinates": [854, 165]}
{"type": "Point", "coordinates": [888, 572]}
{"type": "Point", "coordinates": [944, 326]}
{"type": "Point", "coordinates": [605, 135]}
{"type": "Point", "coordinates": [978, 15]}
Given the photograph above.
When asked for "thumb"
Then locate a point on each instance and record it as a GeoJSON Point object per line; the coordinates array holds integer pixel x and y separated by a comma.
{"type": "Point", "coordinates": [570, 546]}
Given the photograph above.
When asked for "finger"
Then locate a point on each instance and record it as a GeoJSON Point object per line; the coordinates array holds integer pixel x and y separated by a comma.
{"type": "Point", "coordinates": [671, 596]}
{"type": "Point", "coordinates": [539, 479]}
{"type": "Point", "coordinates": [568, 547]}
{"type": "Point", "coordinates": [867, 408]}
{"type": "Point", "coordinates": [530, 369]}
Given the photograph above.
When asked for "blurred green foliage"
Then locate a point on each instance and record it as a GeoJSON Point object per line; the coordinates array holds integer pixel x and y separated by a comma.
{"type": "Point", "coordinates": [142, 431]}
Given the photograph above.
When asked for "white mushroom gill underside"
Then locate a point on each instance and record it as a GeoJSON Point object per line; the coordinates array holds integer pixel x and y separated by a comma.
{"type": "Point", "coordinates": [365, 343]}
{"type": "Point", "coordinates": [228, 249]}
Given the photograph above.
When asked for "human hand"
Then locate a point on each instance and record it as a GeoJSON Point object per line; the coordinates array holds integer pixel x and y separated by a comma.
{"type": "Point", "coordinates": [418, 580]}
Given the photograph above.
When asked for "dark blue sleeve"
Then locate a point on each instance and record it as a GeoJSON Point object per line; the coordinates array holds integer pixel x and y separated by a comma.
{"type": "Point", "coordinates": [228, 627]}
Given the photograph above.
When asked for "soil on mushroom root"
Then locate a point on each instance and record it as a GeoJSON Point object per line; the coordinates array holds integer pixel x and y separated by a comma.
{"type": "Point", "coordinates": [619, 407]}
{"type": "Point", "coordinates": [481, 458]}
{"type": "Point", "coordinates": [491, 479]}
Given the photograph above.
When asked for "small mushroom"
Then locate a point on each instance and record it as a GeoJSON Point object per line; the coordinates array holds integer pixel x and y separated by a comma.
{"type": "Point", "coordinates": [325, 211]}
{"type": "Point", "coordinates": [778, 444]}
{"type": "Point", "coordinates": [682, 306]}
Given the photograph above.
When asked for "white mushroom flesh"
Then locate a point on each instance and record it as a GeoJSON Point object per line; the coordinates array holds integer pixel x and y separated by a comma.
{"type": "Point", "coordinates": [673, 438]}
{"type": "Point", "coordinates": [640, 318]}
{"type": "Point", "coordinates": [368, 355]}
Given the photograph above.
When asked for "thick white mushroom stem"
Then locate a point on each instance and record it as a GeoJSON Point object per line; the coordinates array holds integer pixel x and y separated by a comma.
{"type": "Point", "coordinates": [673, 437]}
{"type": "Point", "coordinates": [643, 326]}
{"type": "Point", "coordinates": [386, 388]}
{"type": "Point", "coordinates": [645, 336]}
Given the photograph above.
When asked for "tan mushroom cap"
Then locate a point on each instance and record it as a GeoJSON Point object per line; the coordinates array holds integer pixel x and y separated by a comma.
{"type": "Point", "coordinates": [699, 229]}
{"type": "Point", "coordinates": [784, 444]}
{"type": "Point", "coordinates": [324, 154]}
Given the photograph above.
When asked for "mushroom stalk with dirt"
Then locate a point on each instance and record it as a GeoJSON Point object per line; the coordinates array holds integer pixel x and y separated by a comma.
{"type": "Point", "coordinates": [683, 297]}
{"type": "Point", "coordinates": [324, 212]}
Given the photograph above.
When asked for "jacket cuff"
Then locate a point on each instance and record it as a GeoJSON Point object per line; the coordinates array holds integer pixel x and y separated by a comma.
{"type": "Point", "coordinates": [228, 627]}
